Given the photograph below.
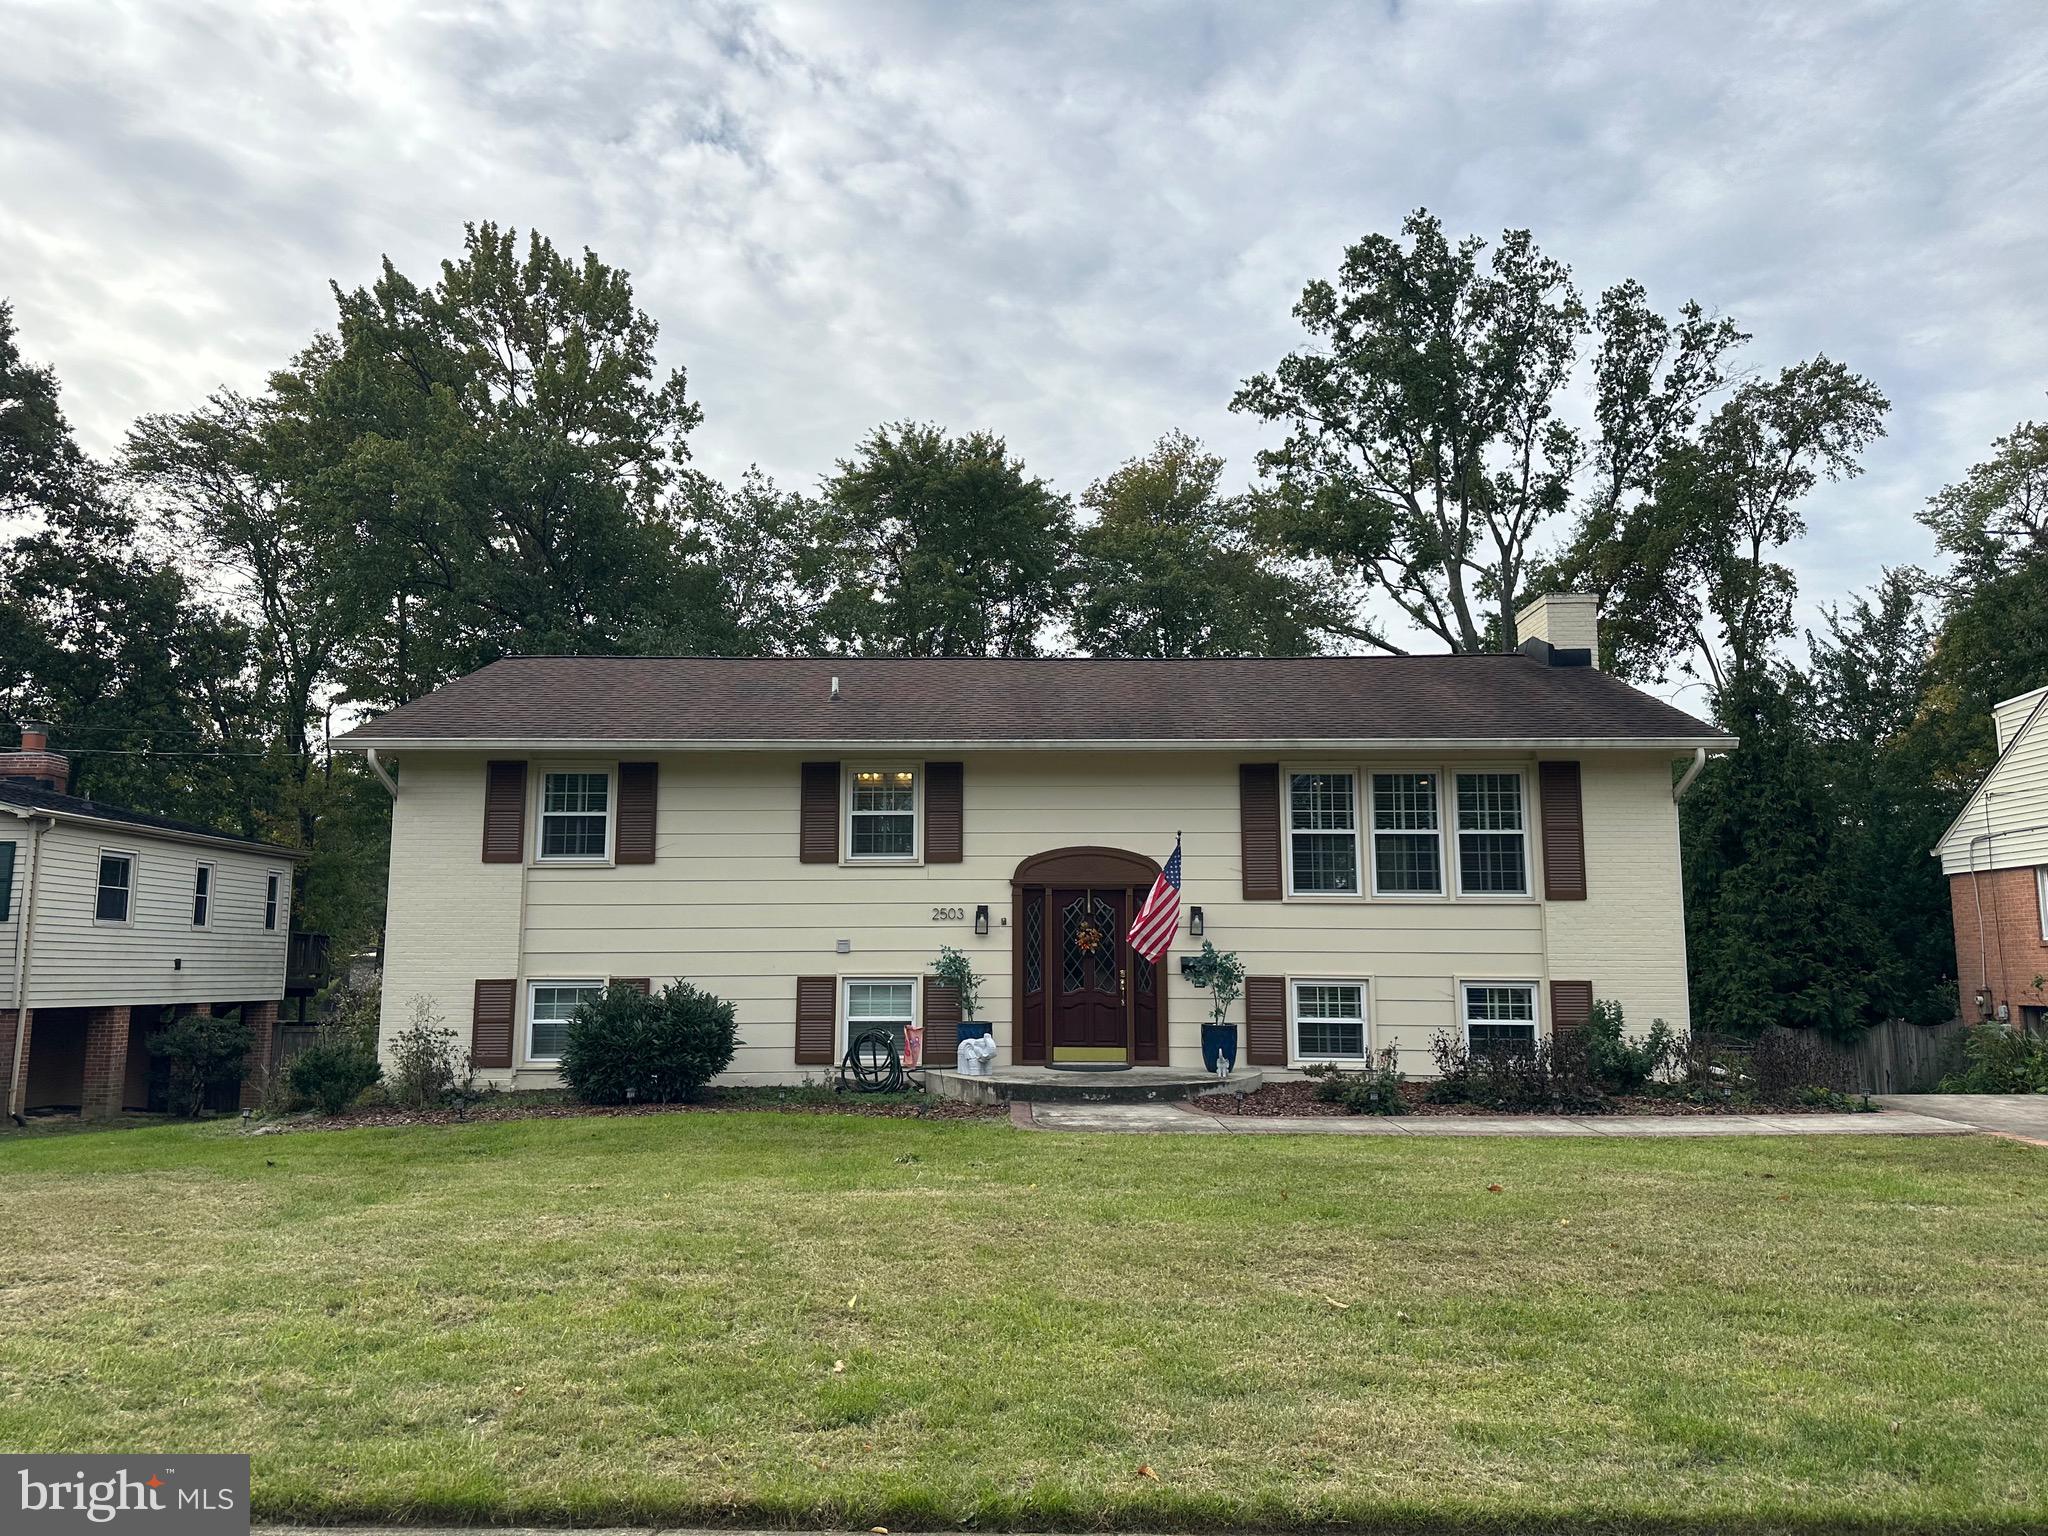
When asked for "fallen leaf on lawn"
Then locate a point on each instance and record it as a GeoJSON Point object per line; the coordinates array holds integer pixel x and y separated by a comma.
{"type": "Point", "coordinates": [838, 1367]}
{"type": "Point", "coordinates": [1895, 1426]}
{"type": "Point", "coordinates": [519, 1391]}
{"type": "Point", "coordinates": [1146, 1471]}
{"type": "Point", "coordinates": [852, 1302]}
{"type": "Point", "coordinates": [1403, 1317]}
{"type": "Point", "coordinates": [1493, 1189]}
{"type": "Point", "coordinates": [1341, 1306]}
{"type": "Point", "coordinates": [878, 1530]}
{"type": "Point", "coordinates": [1564, 1221]}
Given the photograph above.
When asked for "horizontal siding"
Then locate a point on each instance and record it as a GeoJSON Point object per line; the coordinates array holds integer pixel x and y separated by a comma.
{"type": "Point", "coordinates": [2012, 805]}
{"type": "Point", "coordinates": [728, 904]}
{"type": "Point", "coordinates": [76, 962]}
{"type": "Point", "coordinates": [10, 931]}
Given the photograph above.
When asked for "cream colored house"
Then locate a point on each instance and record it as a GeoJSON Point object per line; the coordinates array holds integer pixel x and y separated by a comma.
{"type": "Point", "coordinates": [1395, 846]}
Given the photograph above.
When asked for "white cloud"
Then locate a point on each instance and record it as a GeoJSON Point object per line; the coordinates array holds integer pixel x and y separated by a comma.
{"type": "Point", "coordinates": [1076, 225]}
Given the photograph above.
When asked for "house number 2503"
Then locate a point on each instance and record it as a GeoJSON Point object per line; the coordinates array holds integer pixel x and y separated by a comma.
{"type": "Point", "coordinates": [949, 914]}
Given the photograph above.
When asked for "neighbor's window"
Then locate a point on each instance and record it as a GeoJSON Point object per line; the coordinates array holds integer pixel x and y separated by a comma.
{"type": "Point", "coordinates": [575, 814]}
{"type": "Point", "coordinates": [882, 813]}
{"type": "Point", "coordinates": [202, 895]}
{"type": "Point", "coordinates": [1329, 1020]}
{"type": "Point", "coordinates": [1493, 853]}
{"type": "Point", "coordinates": [1500, 1015]}
{"type": "Point", "coordinates": [116, 888]}
{"type": "Point", "coordinates": [1322, 824]}
{"type": "Point", "coordinates": [271, 886]}
{"type": "Point", "coordinates": [1407, 841]}
{"type": "Point", "coordinates": [2040, 888]}
{"type": "Point", "coordinates": [548, 1007]}
{"type": "Point", "coordinates": [883, 1005]}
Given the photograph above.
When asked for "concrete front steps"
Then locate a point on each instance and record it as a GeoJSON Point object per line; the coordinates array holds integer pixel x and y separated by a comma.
{"type": "Point", "coordinates": [1046, 1085]}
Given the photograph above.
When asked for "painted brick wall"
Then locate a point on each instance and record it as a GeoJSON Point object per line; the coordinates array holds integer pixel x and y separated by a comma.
{"type": "Point", "coordinates": [2003, 907]}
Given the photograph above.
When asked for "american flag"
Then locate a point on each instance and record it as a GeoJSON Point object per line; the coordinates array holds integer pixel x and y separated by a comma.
{"type": "Point", "coordinates": [1152, 930]}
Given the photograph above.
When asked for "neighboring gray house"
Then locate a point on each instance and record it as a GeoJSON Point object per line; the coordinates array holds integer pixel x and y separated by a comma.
{"type": "Point", "coordinates": [113, 923]}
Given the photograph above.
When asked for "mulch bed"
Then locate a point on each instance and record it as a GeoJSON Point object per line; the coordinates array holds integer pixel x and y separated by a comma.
{"type": "Point", "coordinates": [1298, 1099]}
{"type": "Point", "coordinates": [513, 1106]}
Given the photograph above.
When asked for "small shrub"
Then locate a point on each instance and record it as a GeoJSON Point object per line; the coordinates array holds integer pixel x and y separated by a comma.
{"type": "Point", "coordinates": [624, 1047]}
{"type": "Point", "coordinates": [955, 970]}
{"type": "Point", "coordinates": [428, 1064]}
{"type": "Point", "coordinates": [1373, 1090]}
{"type": "Point", "coordinates": [1221, 974]}
{"type": "Point", "coordinates": [1619, 1063]}
{"type": "Point", "coordinates": [333, 1070]}
{"type": "Point", "coordinates": [1551, 1074]}
{"type": "Point", "coordinates": [2000, 1061]}
{"type": "Point", "coordinates": [205, 1054]}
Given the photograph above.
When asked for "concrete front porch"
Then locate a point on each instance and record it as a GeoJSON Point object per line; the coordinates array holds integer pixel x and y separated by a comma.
{"type": "Point", "coordinates": [1052, 1085]}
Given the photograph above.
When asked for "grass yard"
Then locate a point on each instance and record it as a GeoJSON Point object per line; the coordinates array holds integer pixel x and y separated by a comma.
{"type": "Point", "coordinates": [797, 1319]}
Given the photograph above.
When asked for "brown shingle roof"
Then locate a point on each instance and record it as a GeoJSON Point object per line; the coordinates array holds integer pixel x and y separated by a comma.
{"type": "Point", "coordinates": [686, 700]}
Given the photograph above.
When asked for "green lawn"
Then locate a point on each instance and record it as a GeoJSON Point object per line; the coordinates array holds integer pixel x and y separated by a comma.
{"type": "Point", "coordinates": [644, 1320]}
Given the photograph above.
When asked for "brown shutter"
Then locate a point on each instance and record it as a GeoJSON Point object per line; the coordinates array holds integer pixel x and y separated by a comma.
{"type": "Point", "coordinates": [504, 812]}
{"type": "Point", "coordinates": [817, 1019]}
{"type": "Point", "coordinates": [941, 1024]}
{"type": "Point", "coordinates": [1571, 1006]}
{"type": "Point", "coordinates": [490, 1024]}
{"type": "Point", "coordinates": [633, 842]}
{"type": "Point", "coordinates": [644, 985]}
{"type": "Point", "coordinates": [1258, 814]}
{"type": "Point", "coordinates": [818, 819]}
{"type": "Point", "coordinates": [1265, 1021]}
{"type": "Point", "coordinates": [1564, 832]}
{"type": "Point", "coordinates": [942, 808]}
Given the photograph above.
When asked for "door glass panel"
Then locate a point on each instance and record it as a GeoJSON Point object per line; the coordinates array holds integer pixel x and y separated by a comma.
{"type": "Point", "coordinates": [1034, 942]}
{"type": "Point", "coordinates": [1073, 956]}
{"type": "Point", "coordinates": [1107, 937]}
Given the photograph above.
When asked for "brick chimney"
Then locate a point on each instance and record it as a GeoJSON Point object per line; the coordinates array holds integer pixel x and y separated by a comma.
{"type": "Point", "coordinates": [35, 765]}
{"type": "Point", "coordinates": [1561, 628]}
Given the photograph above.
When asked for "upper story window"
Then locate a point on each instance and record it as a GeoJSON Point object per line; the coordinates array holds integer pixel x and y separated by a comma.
{"type": "Point", "coordinates": [273, 885]}
{"type": "Point", "coordinates": [1493, 838]}
{"type": "Point", "coordinates": [1500, 1015]}
{"type": "Point", "coordinates": [1329, 1020]}
{"type": "Point", "coordinates": [575, 815]}
{"type": "Point", "coordinates": [202, 894]}
{"type": "Point", "coordinates": [881, 813]}
{"type": "Point", "coordinates": [1322, 834]}
{"type": "Point", "coordinates": [1407, 836]}
{"type": "Point", "coordinates": [113, 901]}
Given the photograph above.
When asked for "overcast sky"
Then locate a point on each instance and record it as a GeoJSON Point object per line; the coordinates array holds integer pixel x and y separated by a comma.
{"type": "Point", "coordinates": [1077, 225]}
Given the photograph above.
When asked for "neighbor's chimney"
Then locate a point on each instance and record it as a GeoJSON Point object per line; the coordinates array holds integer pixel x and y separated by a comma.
{"type": "Point", "coordinates": [1561, 628]}
{"type": "Point", "coordinates": [35, 765]}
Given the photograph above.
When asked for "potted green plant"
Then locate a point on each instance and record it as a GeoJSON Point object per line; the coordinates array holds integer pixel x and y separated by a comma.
{"type": "Point", "coordinates": [1221, 973]}
{"type": "Point", "coordinates": [955, 970]}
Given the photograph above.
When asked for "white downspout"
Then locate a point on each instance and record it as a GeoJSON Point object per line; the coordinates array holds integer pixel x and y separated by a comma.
{"type": "Point", "coordinates": [1699, 761]}
{"type": "Point", "coordinates": [17, 1072]}
{"type": "Point", "coordinates": [390, 784]}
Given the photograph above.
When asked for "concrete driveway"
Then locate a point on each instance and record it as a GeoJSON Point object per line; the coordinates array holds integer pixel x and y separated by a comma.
{"type": "Point", "coordinates": [2015, 1114]}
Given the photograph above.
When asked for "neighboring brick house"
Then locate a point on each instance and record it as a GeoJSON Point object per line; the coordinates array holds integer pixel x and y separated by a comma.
{"type": "Point", "coordinates": [113, 923]}
{"type": "Point", "coordinates": [1395, 846]}
{"type": "Point", "coordinates": [1995, 855]}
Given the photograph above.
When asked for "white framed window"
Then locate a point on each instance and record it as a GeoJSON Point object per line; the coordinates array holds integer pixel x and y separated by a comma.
{"type": "Point", "coordinates": [549, 1005]}
{"type": "Point", "coordinates": [114, 893]}
{"type": "Point", "coordinates": [885, 1003]}
{"type": "Point", "coordinates": [1329, 1020]}
{"type": "Point", "coordinates": [575, 816]}
{"type": "Point", "coordinates": [202, 894]}
{"type": "Point", "coordinates": [1407, 834]}
{"type": "Point", "coordinates": [1493, 835]}
{"type": "Point", "coordinates": [1322, 833]}
{"type": "Point", "coordinates": [2041, 898]}
{"type": "Point", "coordinates": [273, 890]}
{"type": "Point", "coordinates": [881, 812]}
{"type": "Point", "coordinates": [1499, 1015]}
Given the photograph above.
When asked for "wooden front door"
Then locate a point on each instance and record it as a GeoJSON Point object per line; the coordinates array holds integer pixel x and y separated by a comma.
{"type": "Point", "coordinates": [1089, 1008]}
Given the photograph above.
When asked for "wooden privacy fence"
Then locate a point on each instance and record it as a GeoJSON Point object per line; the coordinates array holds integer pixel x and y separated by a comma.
{"type": "Point", "coordinates": [1895, 1057]}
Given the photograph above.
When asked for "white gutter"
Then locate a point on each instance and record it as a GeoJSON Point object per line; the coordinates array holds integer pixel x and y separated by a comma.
{"type": "Point", "coordinates": [17, 1071]}
{"type": "Point", "coordinates": [1699, 761]}
{"type": "Point", "coordinates": [390, 784]}
{"type": "Point", "coordinates": [613, 744]}
{"type": "Point", "coordinates": [169, 834]}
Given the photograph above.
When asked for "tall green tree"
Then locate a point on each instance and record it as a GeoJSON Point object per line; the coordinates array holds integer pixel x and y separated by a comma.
{"type": "Point", "coordinates": [1427, 452]}
{"type": "Point", "coordinates": [1169, 568]}
{"type": "Point", "coordinates": [943, 546]}
{"type": "Point", "coordinates": [772, 557]}
{"type": "Point", "coordinates": [1693, 576]}
{"type": "Point", "coordinates": [1995, 519]}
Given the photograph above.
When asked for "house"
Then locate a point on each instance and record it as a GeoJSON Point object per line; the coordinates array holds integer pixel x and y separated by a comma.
{"type": "Point", "coordinates": [113, 923]}
{"type": "Point", "coordinates": [1995, 855]}
{"type": "Point", "coordinates": [1395, 846]}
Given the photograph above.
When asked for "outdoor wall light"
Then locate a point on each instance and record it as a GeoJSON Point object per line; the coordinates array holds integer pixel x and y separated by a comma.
{"type": "Point", "coordinates": [1195, 921]}
{"type": "Point", "coordinates": [981, 918]}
